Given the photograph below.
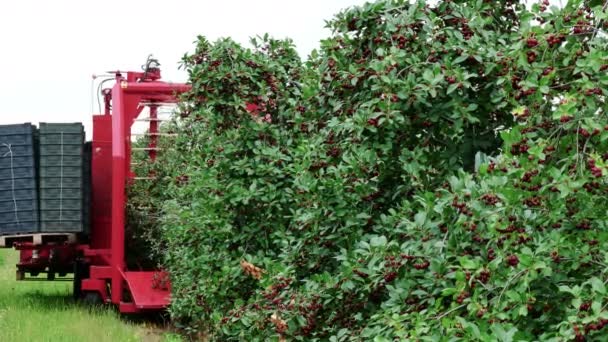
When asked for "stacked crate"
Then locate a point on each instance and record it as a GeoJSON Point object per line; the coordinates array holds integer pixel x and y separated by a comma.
{"type": "Point", "coordinates": [18, 193]}
{"type": "Point", "coordinates": [61, 177]}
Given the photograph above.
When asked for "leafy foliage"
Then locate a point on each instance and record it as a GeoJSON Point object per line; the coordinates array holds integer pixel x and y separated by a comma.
{"type": "Point", "coordinates": [348, 197]}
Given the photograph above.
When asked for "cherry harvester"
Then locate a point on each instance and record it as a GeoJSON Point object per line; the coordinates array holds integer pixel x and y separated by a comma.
{"type": "Point", "coordinates": [98, 262]}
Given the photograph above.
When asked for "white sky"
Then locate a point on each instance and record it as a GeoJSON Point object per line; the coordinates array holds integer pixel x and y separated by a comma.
{"type": "Point", "coordinates": [50, 49]}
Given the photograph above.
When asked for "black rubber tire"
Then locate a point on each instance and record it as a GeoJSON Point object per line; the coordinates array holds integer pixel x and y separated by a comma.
{"type": "Point", "coordinates": [20, 275]}
{"type": "Point", "coordinates": [50, 276]}
{"type": "Point", "coordinates": [81, 271]}
{"type": "Point", "coordinates": [91, 298]}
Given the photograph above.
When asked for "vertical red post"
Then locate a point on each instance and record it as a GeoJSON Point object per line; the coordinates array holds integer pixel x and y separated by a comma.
{"type": "Point", "coordinates": [118, 188]}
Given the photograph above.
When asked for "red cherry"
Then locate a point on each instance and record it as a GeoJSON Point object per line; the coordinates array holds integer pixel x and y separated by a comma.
{"type": "Point", "coordinates": [512, 260]}
{"type": "Point", "coordinates": [532, 42]}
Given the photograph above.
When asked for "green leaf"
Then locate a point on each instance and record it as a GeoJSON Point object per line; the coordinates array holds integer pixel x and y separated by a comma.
{"type": "Point", "coordinates": [347, 285]}
{"type": "Point", "coordinates": [420, 218]}
{"type": "Point", "coordinates": [378, 241]}
{"type": "Point", "coordinates": [514, 295]}
{"type": "Point", "coordinates": [544, 89]}
{"type": "Point", "coordinates": [523, 310]}
{"type": "Point", "coordinates": [467, 263]}
{"type": "Point", "coordinates": [428, 75]}
{"type": "Point", "coordinates": [576, 303]}
{"type": "Point", "coordinates": [525, 260]}
{"type": "Point", "coordinates": [451, 88]}
{"type": "Point", "coordinates": [460, 59]}
{"type": "Point", "coordinates": [470, 327]}
{"type": "Point", "coordinates": [448, 291]}
{"type": "Point", "coordinates": [596, 307]}
{"type": "Point", "coordinates": [501, 334]}
{"type": "Point", "coordinates": [597, 285]}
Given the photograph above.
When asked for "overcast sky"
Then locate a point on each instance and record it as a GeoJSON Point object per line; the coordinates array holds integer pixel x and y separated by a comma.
{"type": "Point", "coordinates": [50, 49]}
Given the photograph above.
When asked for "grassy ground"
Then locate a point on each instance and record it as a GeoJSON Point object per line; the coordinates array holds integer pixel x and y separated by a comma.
{"type": "Point", "coordinates": [45, 311]}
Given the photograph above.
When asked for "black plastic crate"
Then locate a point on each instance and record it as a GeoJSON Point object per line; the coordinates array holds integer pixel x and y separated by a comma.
{"type": "Point", "coordinates": [58, 160]}
{"type": "Point", "coordinates": [61, 204]}
{"type": "Point", "coordinates": [61, 139]}
{"type": "Point", "coordinates": [61, 177]}
{"type": "Point", "coordinates": [19, 139]}
{"type": "Point", "coordinates": [16, 205]}
{"type": "Point", "coordinates": [18, 151]}
{"type": "Point", "coordinates": [63, 216]}
{"type": "Point", "coordinates": [25, 129]}
{"type": "Point", "coordinates": [18, 172]}
{"type": "Point", "coordinates": [56, 215]}
{"type": "Point", "coordinates": [60, 150]}
{"type": "Point", "coordinates": [24, 217]}
{"type": "Point", "coordinates": [18, 160]}
{"type": "Point", "coordinates": [65, 128]}
{"type": "Point", "coordinates": [28, 223]}
{"type": "Point", "coordinates": [64, 221]}
{"type": "Point", "coordinates": [61, 182]}
{"type": "Point", "coordinates": [21, 194]}
{"type": "Point", "coordinates": [65, 193]}
{"type": "Point", "coordinates": [18, 195]}
{"type": "Point", "coordinates": [59, 171]}
{"type": "Point", "coordinates": [73, 226]}
{"type": "Point", "coordinates": [17, 184]}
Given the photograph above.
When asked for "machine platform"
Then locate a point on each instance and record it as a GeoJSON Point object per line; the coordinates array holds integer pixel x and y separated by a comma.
{"type": "Point", "coordinates": [145, 296]}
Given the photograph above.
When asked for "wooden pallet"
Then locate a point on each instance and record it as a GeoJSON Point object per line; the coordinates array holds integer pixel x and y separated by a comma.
{"type": "Point", "coordinates": [37, 238]}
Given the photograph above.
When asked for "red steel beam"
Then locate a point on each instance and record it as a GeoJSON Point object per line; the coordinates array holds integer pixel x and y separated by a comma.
{"type": "Point", "coordinates": [150, 88]}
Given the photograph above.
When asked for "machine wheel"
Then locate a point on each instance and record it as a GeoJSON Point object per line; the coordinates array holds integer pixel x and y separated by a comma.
{"type": "Point", "coordinates": [81, 271]}
{"type": "Point", "coordinates": [50, 276]}
{"type": "Point", "coordinates": [20, 275]}
{"type": "Point", "coordinates": [91, 298]}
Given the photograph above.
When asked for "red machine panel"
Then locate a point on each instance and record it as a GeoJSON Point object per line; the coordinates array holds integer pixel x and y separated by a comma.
{"type": "Point", "coordinates": [101, 178]}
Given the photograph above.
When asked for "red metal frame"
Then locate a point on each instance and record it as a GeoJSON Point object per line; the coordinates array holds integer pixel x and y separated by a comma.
{"type": "Point", "coordinates": [132, 291]}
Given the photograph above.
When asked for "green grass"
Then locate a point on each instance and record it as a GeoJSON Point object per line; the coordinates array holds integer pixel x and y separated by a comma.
{"type": "Point", "coordinates": [44, 311]}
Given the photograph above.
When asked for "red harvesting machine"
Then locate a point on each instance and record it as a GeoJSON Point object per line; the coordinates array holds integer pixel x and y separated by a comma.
{"type": "Point", "coordinates": [98, 263]}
